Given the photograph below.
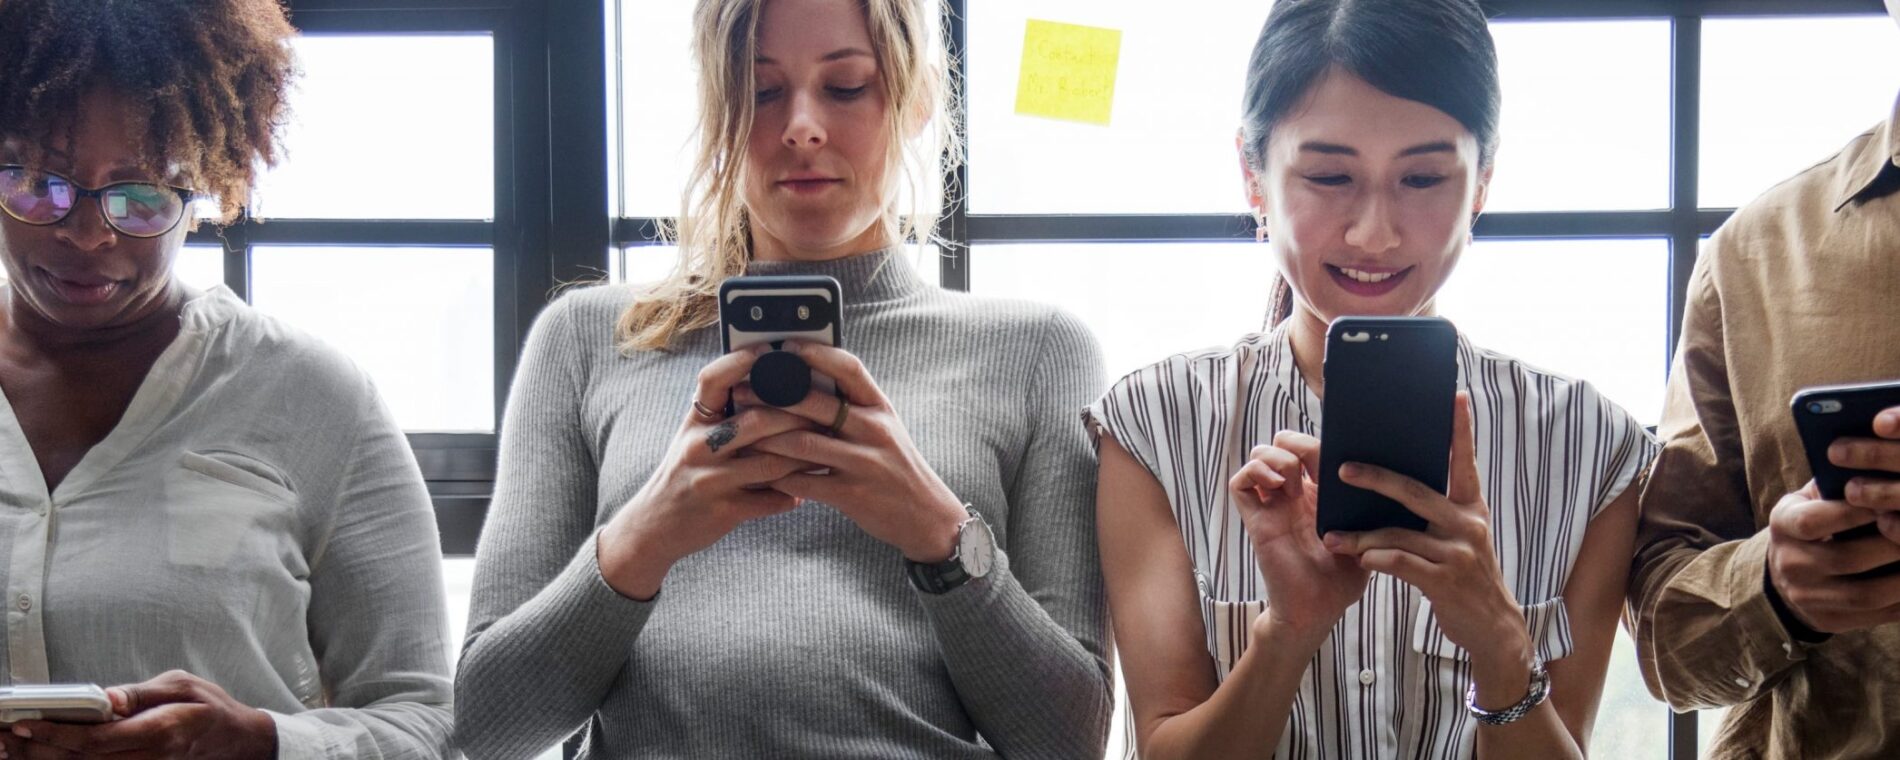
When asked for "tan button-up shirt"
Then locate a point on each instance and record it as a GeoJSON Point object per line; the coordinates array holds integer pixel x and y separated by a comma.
{"type": "Point", "coordinates": [1800, 288]}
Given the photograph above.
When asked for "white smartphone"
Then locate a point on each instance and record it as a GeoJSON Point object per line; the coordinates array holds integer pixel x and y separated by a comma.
{"type": "Point", "coordinates": [59, 703]}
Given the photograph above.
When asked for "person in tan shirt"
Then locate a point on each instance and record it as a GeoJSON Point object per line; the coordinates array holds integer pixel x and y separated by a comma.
{"type": "Point", "coordinates": [1739, 595]}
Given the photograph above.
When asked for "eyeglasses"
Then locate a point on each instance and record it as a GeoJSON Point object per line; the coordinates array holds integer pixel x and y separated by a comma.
{"type": "Point", "coordinates": [134, 209]}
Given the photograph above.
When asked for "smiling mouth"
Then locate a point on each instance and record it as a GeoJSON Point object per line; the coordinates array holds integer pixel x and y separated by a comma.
{"type": "Point", "coordinates": [1367, 283]}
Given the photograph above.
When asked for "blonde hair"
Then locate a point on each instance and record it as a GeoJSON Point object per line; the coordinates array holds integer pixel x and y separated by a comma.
{"type": "Point", "coordinates": [714, 229]}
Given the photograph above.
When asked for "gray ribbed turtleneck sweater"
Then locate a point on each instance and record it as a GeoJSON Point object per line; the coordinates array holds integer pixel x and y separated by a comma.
{"type": "Point", "coordinates": [797, 635]}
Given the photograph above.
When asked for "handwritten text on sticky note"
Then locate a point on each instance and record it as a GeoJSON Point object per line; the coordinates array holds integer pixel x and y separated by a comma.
{"type": "Point", "coordinates": [1068, 72]}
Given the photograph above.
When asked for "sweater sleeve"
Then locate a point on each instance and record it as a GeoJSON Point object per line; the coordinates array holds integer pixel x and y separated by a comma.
{"type": "Point", "coordinates": [1024, 645]}
{"type": "Point", "coordinates": [547, 635]}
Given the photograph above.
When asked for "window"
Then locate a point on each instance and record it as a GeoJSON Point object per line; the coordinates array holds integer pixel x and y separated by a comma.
{"type": "Point", "coordinates": [1838, 73]}
{"type": "Point", "coordinates": [1582, 137]}
{"type": "Point", "coordinates": [1582, 308]}
{"type": "Point", "coordinates": [200, 266]}
{"type": "Point", "coordinates": [388, 127]}
{"type": "Point", "coordinates": [419, 320]}
{"type": "Point", "coordinates": [1169, 144]}
{"type": "Point", "coordinates": [658, 99]}
{"type": "Point", "coordinates": [1173, 306]}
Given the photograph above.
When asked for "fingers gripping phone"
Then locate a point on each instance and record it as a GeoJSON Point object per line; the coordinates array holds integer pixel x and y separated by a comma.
{"type": "Point", "coordinates": [1823, 414]}
{"type": "Point", "coordinates": [59, 703]}
{"type": "Point", "coordinates": [771, 310]}
{"type": "Point", "coordinates": [1390, 386]}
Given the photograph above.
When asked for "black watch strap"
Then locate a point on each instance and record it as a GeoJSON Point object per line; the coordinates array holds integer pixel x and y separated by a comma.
{"type": "Point", "coordinates": [936, 577]}
{"type": "Point", "coordinates": [1796, 629]}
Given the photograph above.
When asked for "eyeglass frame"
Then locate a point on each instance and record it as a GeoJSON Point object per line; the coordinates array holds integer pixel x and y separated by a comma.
{"type": "Point", "coordinates": [97, 194]}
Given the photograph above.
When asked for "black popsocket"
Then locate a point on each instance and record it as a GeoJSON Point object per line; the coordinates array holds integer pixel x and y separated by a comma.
{"type": "Point", "coordinates": [780, 378]}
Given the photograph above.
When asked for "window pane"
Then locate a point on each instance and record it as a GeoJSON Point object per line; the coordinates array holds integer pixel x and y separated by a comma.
{"type": "Point", "coordinates": [388, 127]}
{"type": "Point", "coordinates": [645, 263]}
{"type": "Point", "coordinates": [1782, 94]}
{"type": "Point", "coordinates": [458, 584]}
{"type": "Point", "coordinates": [1145, 301]}
{"type": "Point", "coordinates": [658, 106]}
{"type": "Point", "coordinates": [1590, 309]}
{"type": "Point", "coordinates": [1630, 723]}
{"type": "Point", "coordinates": [1707, 724]}
{"type": "Point", "coordinates": [1169, 145]}
{"type": "Point", "coordinates": [1582, 130]}
{"type": "Point", "coordinates": [421, 321]}
{"type": "Point", "coordinates": [200, 266]}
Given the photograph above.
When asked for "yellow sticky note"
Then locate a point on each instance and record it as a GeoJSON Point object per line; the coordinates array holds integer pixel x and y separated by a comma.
{"type": "Point", "coordinates": [1068, 72]}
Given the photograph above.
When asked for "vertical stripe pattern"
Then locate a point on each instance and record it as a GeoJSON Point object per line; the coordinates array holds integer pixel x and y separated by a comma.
{"type": "Point", "coordinates": [1387, 683]}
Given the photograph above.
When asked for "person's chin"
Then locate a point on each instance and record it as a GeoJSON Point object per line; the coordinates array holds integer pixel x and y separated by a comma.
{"type": "Point", "coordinates": [1338, 303]}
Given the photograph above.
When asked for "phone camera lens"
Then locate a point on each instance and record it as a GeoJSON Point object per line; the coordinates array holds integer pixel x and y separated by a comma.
{"type": "Point", "coordinates": [804, 313]}
{"type": "Point", "coordinates": [758, 314]}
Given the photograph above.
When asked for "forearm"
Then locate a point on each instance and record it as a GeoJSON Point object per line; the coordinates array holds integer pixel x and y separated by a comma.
{"type": "Point", "coordinates": [1502, 680]}
{"type": "Point", "coordinates": [1264, 682]}
{"type": "Point", "coordinates": [538, 673]}
{"type": "Point", "coordinates": [1540, 734]}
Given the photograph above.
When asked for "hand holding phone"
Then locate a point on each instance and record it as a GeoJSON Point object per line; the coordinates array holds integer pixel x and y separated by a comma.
{"type": "Point", "coordinates": [1829, 536]}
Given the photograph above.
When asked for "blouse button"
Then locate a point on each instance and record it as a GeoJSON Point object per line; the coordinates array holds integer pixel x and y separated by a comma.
{"type": "Point", "coordinates": [25, 602]}
{"type": "Point", "coordinates": [1366, 677]}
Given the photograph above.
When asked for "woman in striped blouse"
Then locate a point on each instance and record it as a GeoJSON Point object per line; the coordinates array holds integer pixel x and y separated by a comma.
{"type": "Point", "coordinates": [1367, 147]}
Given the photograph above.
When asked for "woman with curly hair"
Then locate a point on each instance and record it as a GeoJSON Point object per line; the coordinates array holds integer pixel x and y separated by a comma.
{"type": "Point", "coordinates": [201, 508]}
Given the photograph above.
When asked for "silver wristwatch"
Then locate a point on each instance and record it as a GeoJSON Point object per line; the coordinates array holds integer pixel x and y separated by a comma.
{"type": "Point", "coordinates": [1540, 691]}
{"type": "Point", "coordinates": [974, 553]}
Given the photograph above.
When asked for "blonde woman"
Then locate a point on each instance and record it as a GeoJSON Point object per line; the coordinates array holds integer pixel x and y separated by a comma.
{"type": "Point", "coordinates": [673, 581]}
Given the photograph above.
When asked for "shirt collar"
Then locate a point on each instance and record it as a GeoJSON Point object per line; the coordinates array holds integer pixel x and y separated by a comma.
{"type": "Point", "coordinates": [1869, 161]}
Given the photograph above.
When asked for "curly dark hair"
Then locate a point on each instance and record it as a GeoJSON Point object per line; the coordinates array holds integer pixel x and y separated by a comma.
{"type": "Point", "coordinates": [211, 75]}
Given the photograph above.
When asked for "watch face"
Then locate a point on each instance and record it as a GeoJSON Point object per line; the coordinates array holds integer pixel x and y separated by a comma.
{"type": "Point", "coordinates": [976, 548]}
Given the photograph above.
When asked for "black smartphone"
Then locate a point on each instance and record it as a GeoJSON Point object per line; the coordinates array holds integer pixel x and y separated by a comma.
{"type": "Point", "coordinates": [1823, 414]}
{"type": "Point", "coordinates": [1390, 386]}
{"type": "Point", "coordinates": [771, 310]}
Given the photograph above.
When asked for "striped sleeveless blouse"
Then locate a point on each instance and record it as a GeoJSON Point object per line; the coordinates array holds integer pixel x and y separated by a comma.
{"type": "Point", "coordinates": [1387, 683]}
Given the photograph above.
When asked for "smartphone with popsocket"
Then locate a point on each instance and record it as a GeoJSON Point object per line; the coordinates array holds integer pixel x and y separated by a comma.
{"type": "Point", "coordinates": [1825, 413]}
{"type": "Point", "coordinates": [769, 310]}
{"type": "Point", "coordinates": [1390, 386]}
{"type": "Point", "coordinates": [59, 703]}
